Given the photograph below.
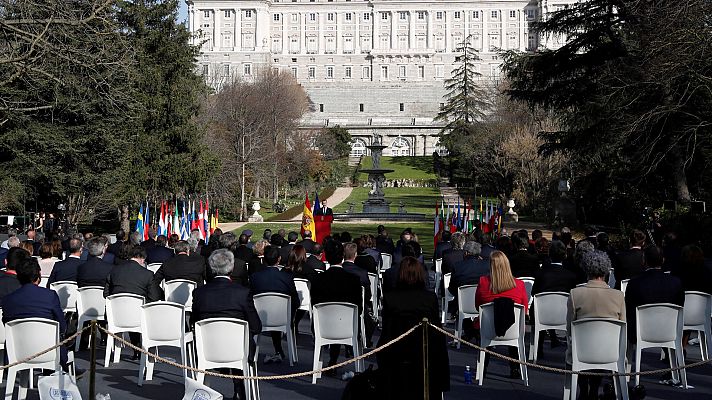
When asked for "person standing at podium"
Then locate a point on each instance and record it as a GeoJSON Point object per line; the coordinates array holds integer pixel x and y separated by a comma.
{"type": "Point", "coordinates": [323, 209]}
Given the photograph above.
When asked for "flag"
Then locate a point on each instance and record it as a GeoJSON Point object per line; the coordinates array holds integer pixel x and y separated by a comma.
{"type": "Point", "coordinates": [207, 220]}
{"type": "Point", "coordinates": [161, 221]}
{"type": "Point", "coordinates": [458, 223]}
{"type": "Point", "coordinates": [176, 220]}
{"type": "Point", "coordinates": [447, 216]}
{"type": "Point", "coordinates": [139, 222]}
{"type": "Point", "coordinates": [146, 222]}
{"type": "Point", "coordinates": [436, 225]}
{"type": "Point", "coordinates": [308, 218]}
{"type": "Point", "coordinates": [317, 207]}
{"type": "Point", "coordinates": [200, 224]}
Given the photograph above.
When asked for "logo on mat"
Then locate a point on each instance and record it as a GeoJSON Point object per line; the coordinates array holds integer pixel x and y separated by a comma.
{"type": "Point", "coordinates": [59, 394]}
{"type": "Point", "coordinates": [201, 394]}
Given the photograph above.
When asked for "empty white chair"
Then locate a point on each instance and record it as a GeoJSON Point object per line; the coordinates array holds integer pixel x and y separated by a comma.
{"type": "Point", "coordinates": [304, 292]}
{"type": "Point", "coordinates": [274, 310]}
{"type": "Point", "coordinates": [698, 308]}
{"type": "Point", "coordinates": [335, 323]}
{"type": "Point", "coordinates": [210, 337]}
{"type": "Point", "coordinates": [123, 314]}
{"type": "Point", "coordinates": [624, 285]}
{"type": "Point", "coordinates": [163, 324]}
{"type": "Point", "coordinates": [438, 263]}
{"type": "Point", "coordinates": [386, 261]}
{"type": "Point", "coordinates": [2, 345]}
{"type": "Point", "coordinates": [43, 281]}
{"type": "Point", "coordinates": [513, 337]}
{"type": "Point", "coordinates": [448, 297]}
{"type": "Point", "coordinates": [180, 291]}
{"type": "Point", "coordinates": [598, 343]}
{"type": "Point", "coordinates": [91, 306]}
{"type": "Point", "coordinates": [465, 307]}
{"type": "Point", "coordinates": [67, 292]}
{"type": "Point", "coordinates": [373, 279]}
{"type": "Point", "coordinates": [549, 313]}
{"type": "Point", "coordinates": [660, 325]}
{"type": "Point", "coordinates": [528, 285]}
{"type": "Point", "coordinates": [153, 267]}
{"type": "Point", "coordinates": [26, 337]}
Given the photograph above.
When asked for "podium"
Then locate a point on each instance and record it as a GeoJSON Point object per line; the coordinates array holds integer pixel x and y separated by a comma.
{"type": "Point", "coordinates": [322, 225]}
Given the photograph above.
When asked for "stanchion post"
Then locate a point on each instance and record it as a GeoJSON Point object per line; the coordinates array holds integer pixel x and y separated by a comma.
{"type": "Point", "coordinates": [426, 385]}
{"type": "Point", "coordinates": [92, 360]}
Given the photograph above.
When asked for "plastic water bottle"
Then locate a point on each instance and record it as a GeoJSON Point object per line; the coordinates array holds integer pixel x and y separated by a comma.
{"type": "Point", "coordinates": [468, 375]}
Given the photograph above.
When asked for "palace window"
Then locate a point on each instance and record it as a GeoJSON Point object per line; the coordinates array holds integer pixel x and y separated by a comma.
{"type": "Point", "coordinates": [312, 17]}
{"type": "Point", "coordinates": [247, 69]}
{"type": "Point", "coordinates": [402, 72]}
{"type": "Point", "coordinates": [248, 14]}
{"type": "Point", "coordinates": [294, 18]}
{"type": "Point", "coordinates": [512, 14]}
{"type": "Point", "coordinates": [384, 72]}
{"type": "Point", "coordinates": [421, 15]}
{"type": "Point", "coordinates": [475, 15]}
{"type": "Point", "coordinates": [439, 71]}
{"type": "Point", "coordinates": [330, 17]}
{"type": "Point", "coordinates": [421, 71]}
{"type": "Point", "coordinates": [311, 72]}
{"type": "Point", "coordinates": [495, 14]}
{"type": "Point", "coordinates": [329, 72]}
{"type": "Point", "coordinates": [384, 16]}
{"type": "Point", "coordinates": [402, 15]}
{"type": "Point", "coordinates": [206, 13]}
{"type": "Point", "coordinates": [366, 16]}
{"type": "Point", "coordinates": [439, 15]}
{"type": "Point", "coordinates": [347, 17]}
{"type": "Point", "coordinates": [365, 74]}
{"type": "Point", "coordinates": [458, 15]}
{"type": "Point", "coordinates": [347, 72]}
{"type": "Point", "coordinates": [294, 72]}
{"type": "Point", "coordinates": [275, 17]}
{"type": "Point", "coordinates": [228, 13]}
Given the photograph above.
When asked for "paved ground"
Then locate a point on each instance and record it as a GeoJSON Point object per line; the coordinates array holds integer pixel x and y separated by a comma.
{"type": "Point", "coordinates": [119, 380]}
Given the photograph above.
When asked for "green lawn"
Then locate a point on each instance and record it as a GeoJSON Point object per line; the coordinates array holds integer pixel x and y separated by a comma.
{"type": "Point", "coordinates": [405, 167]}
{"type": "Point", "coordinates": [416, 200]}
{"type": "Point", "coordinates": [422, 229]}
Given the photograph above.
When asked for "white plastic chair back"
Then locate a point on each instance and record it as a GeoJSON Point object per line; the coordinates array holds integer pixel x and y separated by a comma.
{"type": "Point", "coordinates": [528, 285]}
{"type": "Point", "coordinates": [465, 306]}
{"type": "Point", "coordinates": [514, 336]}
{"type": "Point", "coordinates": [304, 292]}
{"type": "Point", "coordinates": [91, 305]}
{"type": "Point", "coordinates": [26, 337]}
{"type": "Point", "coordinates": [550, 310]}
{"type": "Point", "coordinates": [153, 267]}
{"type": "Point", "coordinates": [599, 343]}
{"type": "Point", "coordinates": [660, 325]}
{"type": "Point", "coordinates": [335, 323]}
{"type": "Point", "coordinates": [67, 292]}
{"type": "Point", "coordinates": [698, 308]}
{"type": "Point", "coordinates": [123, 314]}
{"type": "Point", "coordinates": [439, 266]}
{"type": "Point", "coordinates": [210, 337]}
{"type": "Point", "coordinates": [624, 285]}
{"type": "Point", "coordinates": [373, 280]}
{"type": "Point", "coordinates": [274, 310]}
{"type": "Point", "coordinates": [180, 291]}
{"type": "Point", "coordinates": [43, 281]}
{"type": "Point", "coordinates": [386, 261]}
{"type": "Point", "coordinates": [446, 283]}
{"type": "Point", "coordinates": [162, 324]}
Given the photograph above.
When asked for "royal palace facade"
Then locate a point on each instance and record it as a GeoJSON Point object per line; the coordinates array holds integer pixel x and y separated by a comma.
{"type": "Point", "coordinates": [373, 67]}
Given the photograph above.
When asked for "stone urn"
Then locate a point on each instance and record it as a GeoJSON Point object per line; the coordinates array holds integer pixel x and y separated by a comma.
{"type": "Point", "coordinates": [511, 214]}
{"type": "Point", "coordinates": [256, 217]}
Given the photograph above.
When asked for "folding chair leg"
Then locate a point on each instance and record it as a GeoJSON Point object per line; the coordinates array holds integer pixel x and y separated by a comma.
{"type": "Point", "coordinates": [2, 357]}
{"type": "Point", "coordinates": [704, 346]}
{"type": "Point", "coordinates": [523, 357]}
{"type": "Point", "coordinates": [142, 368]}
{"type": "Point", "coordinates": [458, 332]}
{"type": "Point", "coordinates": [317, 363]}
{"type": "Point", "coordinates": [290, 346]}
{"type": "Point", "coordinates": [481, 368]}
{"type": "Point", "coordinates": [534, 347]}
{"type": "Point", "coordinates": [22, 387]}
{"type": "Point", "coordinates": [109, 348]}
{"type": "Point", "coordinates": [638, 354]}
{"type": "Point", "coordinates": [10, 384]}
{"type": "Point", "coordinates": [622, 388]}
{"type": "Point", "coordinates": [574, 386]}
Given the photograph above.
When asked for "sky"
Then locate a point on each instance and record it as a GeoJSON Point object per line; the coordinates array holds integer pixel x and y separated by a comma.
{"type": "Point", "coordinates": [183, 13]}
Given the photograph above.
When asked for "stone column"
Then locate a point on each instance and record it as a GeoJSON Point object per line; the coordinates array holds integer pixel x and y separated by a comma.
{"type": "Point", "coordinates": [338, 49]}
{"type": "Point", "coordinates": [411, 29]}
{"type": "Point", "coordinates": [375, 41]}
{"type": "Point", "coordinates": [447, 31]}
{"type": "Point", "coordinates": [522, 39]}
{"type": "Point", "coordinates": [394, 37]}
{"type": "Point", "coordinates": [466, 17]}
{"type": "Point", "coordinates": [237, 36]}
{"type": "Point", "coordinates": [356, 18]}
{"type": "Point", "coordinates": [191, 23]}
{"type": "Point", "coordinates": [303, 39]}
{"type": "Point", "coordinates": [429, 34]}
{"type": "Point", "coordinates": [321, 39]}
{"type": "Point", "coordinates": [485, 32]}
{"type": "Point", "coordinates": [285, 32]}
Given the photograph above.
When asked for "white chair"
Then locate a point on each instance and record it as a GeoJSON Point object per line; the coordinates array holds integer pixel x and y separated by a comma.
{"type": "Point", "coordinates": [25, 337]}
{"type": "Point", "coordinates": [660, 326]}
{"type": "Point", "coordinates": [624, 285]}
{"type": "Point", "coordinates": [465, 307]}
{"type": "Point", "coordinates": [386, 261]}
{"type": "Point", "coordinates": [43, 281]}
{"type": "Point", "coordinates": [550, 310]}
{"type": "Point", "coordinates": [180, 291]}
{"type": "Point", "coordinates": [304, 292]}
{"type": "Point", "coordinates": [335, 323]}
{"type": "Point", "coordinates": [91, 305]}
{"type": "Point", "coordinates": [447, 297]}
{"type": "Point", "coordinates": [438, 263]}
{"type": "Point", "coordinates": [598, 343]}
{"type": "Point", "coordinates": [528, 285]}
{"type": "Point", "coordinates": [373, 279]}
{"type": "Point", "coordinates": [698, 308]}
{"type": "Point", "coordinates": [513, 337]}
{"type": "Point", "coordinates": [362, 324]}
{"type": "Point", "coordinates": [123, 314]}
{"type": "Point", "coordinates": [153, 267]}
{"type": "Point", "coordinates": [2, 345]}
{"type": "Point", "coordinates": [163, 324]}
{"type": "Point", "coordinates": [210, 337]}
{"type": "Point", "coordinates": [275, 310]}
{"type": "Point", "coordinates": [67, 292]}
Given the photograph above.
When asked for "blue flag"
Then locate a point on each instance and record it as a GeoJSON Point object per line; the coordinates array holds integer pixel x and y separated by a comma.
{"type": "Point", "coordinates": [139, 222]}
{"type": "Point", "coordinates": [317, 206]}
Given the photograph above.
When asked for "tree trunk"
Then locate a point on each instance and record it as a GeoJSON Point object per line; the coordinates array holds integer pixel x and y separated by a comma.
{"type": "Point", "coordinates": [680, 178]}
{"type": "Point", "coordinates": [124, 219]}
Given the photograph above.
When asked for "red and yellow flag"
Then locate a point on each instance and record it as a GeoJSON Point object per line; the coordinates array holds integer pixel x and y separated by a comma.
{"type": "Point", "coordinates": [308, 218]}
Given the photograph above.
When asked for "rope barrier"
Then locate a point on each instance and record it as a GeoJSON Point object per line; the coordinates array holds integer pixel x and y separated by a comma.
{"type": "Point", "coordinates": [566, 371]}
{"type": "Point", "coordinates": [259, 378]}
{"type": "Point", "coordinates": [62, 343]}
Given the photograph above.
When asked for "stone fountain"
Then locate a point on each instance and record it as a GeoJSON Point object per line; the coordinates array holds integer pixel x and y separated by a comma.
{"type": "Point", "coordinates": [376, 202]}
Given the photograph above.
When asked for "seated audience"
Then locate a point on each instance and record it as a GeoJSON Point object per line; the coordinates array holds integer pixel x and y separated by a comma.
{"type": "Point", "coordinates": [182, 266]}
{"type": "Point", "coordinates": [94, 271]}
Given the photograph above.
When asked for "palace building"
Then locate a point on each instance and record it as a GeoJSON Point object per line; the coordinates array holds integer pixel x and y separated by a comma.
{"type": "Point", "coordinates": [373, 67]}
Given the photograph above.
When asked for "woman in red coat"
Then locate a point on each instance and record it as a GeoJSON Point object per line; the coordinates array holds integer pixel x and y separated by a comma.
{"type": "Point", "coordinates": [501, 283]}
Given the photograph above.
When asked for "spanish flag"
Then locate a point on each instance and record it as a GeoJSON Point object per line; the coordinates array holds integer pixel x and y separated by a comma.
{"type": "Point", "coordinates": [308, 218]}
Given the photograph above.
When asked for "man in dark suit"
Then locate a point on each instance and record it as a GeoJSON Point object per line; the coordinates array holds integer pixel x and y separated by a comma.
{"type": "Point", "coordinates": [8, 277]}
{"type": "Point", "coordinates": [159, 253]}
{"type": "Point", "coordinates": [324, 209]}
{"type": "Point", "coordinates": [443, 244]}
{"type": "Point", "coordinates": [349, 265]}
{"type": "Point", "coordinates": [94, 271]}
{"type": "Point", "coordinates": [651, 286]}
{"type": "Point", "coordinates": [384, 244]}
{"type": "Point", "coordinates": [220, 298]}
{"type": "Point", "coordinates": [336, 285]}
{"type": "Point", "coordinates": [108, 258]}
{"type": "Point", "coordinates": [286, 248]}
{"type": "Point", "coordinates": [314, 260]}
{"type": "Point", "coordinates": [307, 242]}
{"type": "Point", "coordinates": [182, 266]}
{"type": "Point", "coordinates": [115, 248]}
{"type": "Point", "coordinates": [631, 262]}
{"type": "Point", "coordinates": [239, 271]}
{"type": "Point", "coordinates": [390, 276]}
{"type": "Point", "coordinates": [32, 301]}
{"type": "Point", "coordinates": [243, 252]}
{"type": "Point", "coordinates": [522, 262]}
{"type": "Point", "coordinates": [454, 255]}
{"type": "Point", "coordinates": [273, 279]}
{"type": "Point", "coordinates": [467, 272]}
{"type": "Point", "coordinates": [363, 259]}
{"type": "Point", "coordinates": [151, 241]}
{"type": "Point", "coordinates": [66, 270]}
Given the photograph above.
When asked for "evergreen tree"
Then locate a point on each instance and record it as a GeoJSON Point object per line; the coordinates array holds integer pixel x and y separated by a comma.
{"type": "Point", "coordinates": [631, 91]}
